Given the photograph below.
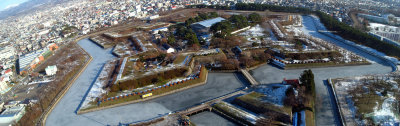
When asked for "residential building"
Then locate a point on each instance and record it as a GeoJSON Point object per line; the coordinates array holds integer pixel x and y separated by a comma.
{"type": "Point", "coordinates": [51, 70]}
{"type": "Point", "coordinates": [12, 114]}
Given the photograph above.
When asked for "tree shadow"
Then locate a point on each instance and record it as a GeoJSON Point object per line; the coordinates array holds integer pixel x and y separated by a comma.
{"type": "Point", "coordinates": [242, 79]}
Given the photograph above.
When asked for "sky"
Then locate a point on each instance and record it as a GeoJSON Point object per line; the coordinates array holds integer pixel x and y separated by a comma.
{"type": "Point", "coordinates": [4, 4]}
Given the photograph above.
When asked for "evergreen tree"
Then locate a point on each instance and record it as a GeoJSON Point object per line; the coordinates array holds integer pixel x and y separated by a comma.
{"type": "Point", "coordinates": [254, 17]}
{"type": "Point", "coordinates": [171, 39]}
{"type": "Point", "coordinates": [307, 79]}
{"type": "Point", "coordinates": [213, 14]}
{"type": "Point", "coordinates": [239, 21]}
{"type": "Point", "coordinates": [221, 29]}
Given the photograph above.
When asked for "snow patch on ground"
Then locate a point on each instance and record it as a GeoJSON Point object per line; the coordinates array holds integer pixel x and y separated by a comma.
{"type": "Point", "coordinates": [255, 31]}
{"type": "Point", "coordinates": [385, 114]}
{"type": "Point", "coordinates": [274, 93]}
{"type": "Point", "coordinates": [97, 89]}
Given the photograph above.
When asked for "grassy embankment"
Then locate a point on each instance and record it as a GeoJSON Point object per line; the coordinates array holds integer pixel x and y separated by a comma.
{"type": "Point", "coordinates": [310, 115]}
{"type": "Point", "coordinates": [179, 59]}
{"type": "Point", "coordinates": [252, 102]}
{"type": "Point", "coordinates": [328, 64]}
{"type": "Point", "coordinates": [254, 98]}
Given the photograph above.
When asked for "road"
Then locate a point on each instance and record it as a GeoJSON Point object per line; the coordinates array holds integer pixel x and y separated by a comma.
{"type": "Point", "coordinates": [325, 110]}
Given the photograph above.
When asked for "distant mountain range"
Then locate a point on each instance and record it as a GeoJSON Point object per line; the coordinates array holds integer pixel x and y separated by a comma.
{"type": "Point", "coordinates": [27, 7]}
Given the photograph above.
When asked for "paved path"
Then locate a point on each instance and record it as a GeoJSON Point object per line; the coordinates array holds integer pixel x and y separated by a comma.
{"type": "Point", "coordinates": [249, 77]}
{"type": "Point", "coordinates": [209, 103]}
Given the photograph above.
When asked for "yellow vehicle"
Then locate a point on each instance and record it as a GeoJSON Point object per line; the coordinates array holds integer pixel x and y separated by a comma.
{"type": "Point", "coordinates": [147, 95]}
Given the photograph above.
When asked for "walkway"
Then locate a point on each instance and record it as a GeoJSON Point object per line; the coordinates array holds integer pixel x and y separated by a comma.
{"type": "Point", "coordinates": [208, 104]}
{"type": "Point", "coordinates": [249, 77]}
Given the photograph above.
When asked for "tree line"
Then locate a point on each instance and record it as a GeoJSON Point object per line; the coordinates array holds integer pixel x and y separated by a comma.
{"type": "Point", "coordinates": [313, 55]}
{"type": "Point", "coordinates": [357, 36]}
{"type": "Point", "coordinates": [235, 22]}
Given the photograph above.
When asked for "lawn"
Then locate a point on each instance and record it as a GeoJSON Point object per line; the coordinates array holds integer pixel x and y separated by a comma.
{"type": "Point", "coordinates": [129, 68]}
{"type": "Point", "coordinates": [366, 102]}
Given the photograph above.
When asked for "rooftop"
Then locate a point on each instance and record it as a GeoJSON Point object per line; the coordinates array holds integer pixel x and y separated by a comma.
{"type": "Point", "coordinates": [210, 22]}
{"type": "Point", "coordinates": [28, 58]}
{"type": "Point", "coordinates": [12, 111]}
{"type": "Point", "coordinates": [51, 67]}
{"type": "Point", "coordinates": [160, 28]}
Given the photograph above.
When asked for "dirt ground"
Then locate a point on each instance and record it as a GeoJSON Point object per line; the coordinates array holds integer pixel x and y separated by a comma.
{"type": "Point", "coordinates": [65, 58]}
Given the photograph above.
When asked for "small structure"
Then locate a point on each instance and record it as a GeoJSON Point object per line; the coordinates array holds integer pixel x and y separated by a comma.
{"type": "Point", "coordinates": [147, 95]}
{"type": "Point", "coordinates": [12, 114]}
{"type": "Point", "coordinates": [155, 31]}
{"type": "Point", "coordinates": [290, 82]}
{"type": "Point", "coordinates": [168, 48]}
{"type": "Point", "coordinates": [153, 17]}
{"type": "Point", "coordinates": [278, 63]}
{"type": "Point", "coordinates": [237, 50]}
{"type": "Point", "coordinates": [51, 70]}
{"type": "Point", "coordinates": [52, 46]}
{"type": "Point", "coordinates": [8, 72]}
{"type": "Point", "coordinates": [11, 104]}
{"type": "Point", "coordinates": [278, 53]}
{"type": "Point", "coordinates": [24, 61]}
{"type": "Point", "coordinates": [4, 84]}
